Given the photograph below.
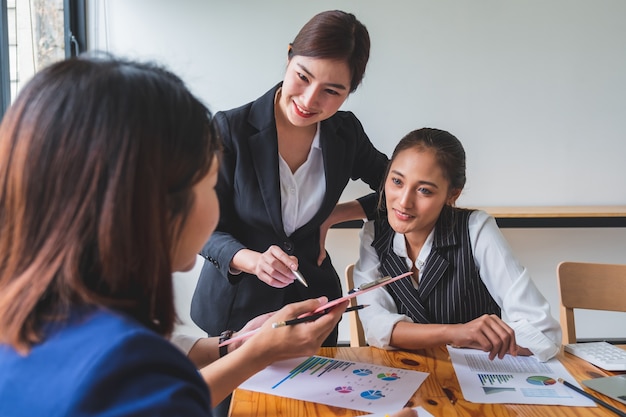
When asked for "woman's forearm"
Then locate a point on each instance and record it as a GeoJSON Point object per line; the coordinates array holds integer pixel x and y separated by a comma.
{"type": "Point", "coordinates": [406, 335]}
{"type": "Point", "coordinates": [224, 375]}
{"type": "Point", "coordinates": [347, 211]}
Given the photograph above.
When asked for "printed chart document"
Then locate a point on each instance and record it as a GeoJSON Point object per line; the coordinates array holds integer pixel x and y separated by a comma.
{"type": "Point", "coordinates": [358, 386]}
{"type": "Point", "coordinates": [513, 380]}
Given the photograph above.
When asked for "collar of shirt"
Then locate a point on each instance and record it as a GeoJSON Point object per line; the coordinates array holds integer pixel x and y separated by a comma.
{"type": "Point", "coordinates": [399, 247]}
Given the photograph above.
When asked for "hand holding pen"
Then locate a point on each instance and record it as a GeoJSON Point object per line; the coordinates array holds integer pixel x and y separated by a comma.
{"type": "Point", "coordinates": [302, 318]}
{"type": "Point", "coordinates": [269, 345]}
{"type": "Point", "coordinates": [326, 307]}
{"type": "Point", "coordinates": [274, 267]}
{"type": "Point", "coordinates": [312, 317]}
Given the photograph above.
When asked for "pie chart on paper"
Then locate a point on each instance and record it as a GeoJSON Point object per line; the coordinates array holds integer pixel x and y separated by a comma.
{"type": "Point", "coordinates": [372, 395]}
{"type": "Point", "coordinates": [540, 380]}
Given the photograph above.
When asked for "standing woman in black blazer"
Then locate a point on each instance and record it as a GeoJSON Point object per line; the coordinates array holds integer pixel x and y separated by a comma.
{"type": "Point", "coordinates": [287, 158]}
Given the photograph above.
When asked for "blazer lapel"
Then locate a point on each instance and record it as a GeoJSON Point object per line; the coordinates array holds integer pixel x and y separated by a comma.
{"type": "Point", "coordinates": [264, 148]}
{"type": "Point", "coordinates": [333, 151]}
{"type": "Point", "coordinates": [436, 265]}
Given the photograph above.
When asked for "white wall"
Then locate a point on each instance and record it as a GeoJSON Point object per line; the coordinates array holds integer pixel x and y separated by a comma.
{"type": "Point", "coordinates": [534, 90]}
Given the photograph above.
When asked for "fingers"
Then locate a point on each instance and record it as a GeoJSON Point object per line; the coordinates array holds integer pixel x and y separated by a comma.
{"type": "Point", "coordinates": [276, 268]}
{"type": "Point", "coordinates": [297, 339]}
{"type": "Point", "coordinates": [294, 310]}
{"type": "Point", "coordinates": [322, 256]}
{"type": "Point", "coordinates": [256, 322]}
{"type": "Point", "coordinates": [324, 323]}
{"type": "Point", "coordinates": [490, 334]}
{"type": "Point", "coordinates": [500, 338]}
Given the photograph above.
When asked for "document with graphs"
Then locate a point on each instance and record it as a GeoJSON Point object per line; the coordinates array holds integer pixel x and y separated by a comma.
{"type": "Point", "coordinates": [355, 385]}
{"type": "Point", "coordinates": [514, 380]}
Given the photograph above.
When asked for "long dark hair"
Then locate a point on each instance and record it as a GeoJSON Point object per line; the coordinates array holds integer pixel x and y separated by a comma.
{"type": "Point", "coordinates": [335, 34]}
{"type": "Point", "coordinates": [98, 157]}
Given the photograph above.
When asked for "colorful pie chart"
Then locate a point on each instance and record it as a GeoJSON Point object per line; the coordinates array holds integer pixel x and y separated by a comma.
{"type": "Point", "coordinates": [372, 395]}
{"type": "Point", "coordinates": [540, 380]}
{"type": "Point", "coordinates": [362, 372]}
{"type": "Point", "coordinates": [388, 376]}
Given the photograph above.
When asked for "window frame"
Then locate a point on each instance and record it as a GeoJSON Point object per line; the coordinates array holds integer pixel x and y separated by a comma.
{"type": "Point", "coordinates": [75, 35]}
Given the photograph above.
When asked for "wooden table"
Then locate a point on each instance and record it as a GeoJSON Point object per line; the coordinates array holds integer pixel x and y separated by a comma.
{"type": "Point", "coordinates": [430, 395]}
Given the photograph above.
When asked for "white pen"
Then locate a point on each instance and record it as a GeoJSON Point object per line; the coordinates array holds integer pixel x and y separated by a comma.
{"type": "Point", "coordinates": [370, 284]}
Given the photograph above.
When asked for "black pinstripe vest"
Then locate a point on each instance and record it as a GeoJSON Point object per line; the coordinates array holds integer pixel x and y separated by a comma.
{"type": "Point", "coordinates": [450, 289]}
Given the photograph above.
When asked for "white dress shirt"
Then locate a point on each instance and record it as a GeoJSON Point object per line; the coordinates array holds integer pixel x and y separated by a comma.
{"type": "Point", "coordinates": [524, 308]}
{"type": "Point", "coordinates": [302, 192]}
{"type": "Point", "coordinates": [184, 342]}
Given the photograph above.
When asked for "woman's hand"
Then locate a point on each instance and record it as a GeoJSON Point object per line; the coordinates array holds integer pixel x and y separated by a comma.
{"type": "Point", "coordinates": [303, 339]}
{"type": "Point", "coordinates": [487, 333]}
{"type": "Point", "coordinates": [323, 233]}
{"type": "Point", "coordinates": [253, 324]}
{"type": "Point", "coordinates": [342, 212]}
{"type": "Point", "coordinates": [269, 345]}
{"type": "Point", "coordinates": [274, 266]}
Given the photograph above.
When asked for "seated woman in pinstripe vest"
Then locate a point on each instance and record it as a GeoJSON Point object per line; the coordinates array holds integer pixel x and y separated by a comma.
{"type": "Point", "coordinates": [467, 288]}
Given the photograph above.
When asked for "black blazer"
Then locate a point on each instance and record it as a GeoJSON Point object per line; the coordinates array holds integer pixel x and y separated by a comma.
{"type": "Point", "coordinates": [250, 213]}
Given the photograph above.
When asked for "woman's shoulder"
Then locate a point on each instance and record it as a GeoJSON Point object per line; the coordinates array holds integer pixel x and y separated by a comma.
{"type": "Point", "coordinates": [104, 360]}
{"type": "Point", "coordinates": [263, 104]}
{"type": "Point", "coordinates": [102, 332]}
{"type": "Point", "coordinates": [148, 367]}
{"type": "Point", "coordinates": [129, 357]}
{"type": "Point", "coordinates": [344, 118]}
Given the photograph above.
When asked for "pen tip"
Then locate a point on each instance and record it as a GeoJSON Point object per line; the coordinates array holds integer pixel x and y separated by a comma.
{"type": "Point", "coordinates": [300, 278]}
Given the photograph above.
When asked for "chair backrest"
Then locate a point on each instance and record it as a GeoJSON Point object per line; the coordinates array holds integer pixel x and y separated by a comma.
{"type": "Point", "coordinates": [357, 336]}
{"type": "Point", "coordinates": [591, 286]}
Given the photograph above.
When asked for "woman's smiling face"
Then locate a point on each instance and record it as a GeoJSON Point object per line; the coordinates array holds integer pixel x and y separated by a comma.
{"type": "Point", "coordinates": [313, 89]}
{"type": "Point", "coordinates": [415, 191]}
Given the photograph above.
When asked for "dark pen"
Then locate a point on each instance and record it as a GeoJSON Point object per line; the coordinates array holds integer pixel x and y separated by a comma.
{"type": "Point", "coordinates": [312, 317]}
{"type": "Point", "coordinates": [593, 398]}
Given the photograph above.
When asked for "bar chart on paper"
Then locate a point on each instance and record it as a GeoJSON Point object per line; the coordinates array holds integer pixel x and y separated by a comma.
{"type": "Point", "coordinates": [354, 385]}
{"type": "Point", "coordinates": [515, 380]}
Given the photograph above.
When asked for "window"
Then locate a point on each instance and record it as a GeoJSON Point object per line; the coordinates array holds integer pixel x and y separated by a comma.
{"type": "Point", "coordinates": [34, 34]}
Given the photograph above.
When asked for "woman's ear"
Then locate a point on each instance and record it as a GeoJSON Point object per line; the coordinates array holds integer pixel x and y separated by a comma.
{"type": "Point", "coordinates": [454, 195]}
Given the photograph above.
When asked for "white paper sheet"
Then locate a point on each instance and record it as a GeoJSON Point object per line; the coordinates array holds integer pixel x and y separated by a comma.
{"type": "Point", "coordinates": [353, 385]}
{"type": "Point", "coordinates": [515, 380]}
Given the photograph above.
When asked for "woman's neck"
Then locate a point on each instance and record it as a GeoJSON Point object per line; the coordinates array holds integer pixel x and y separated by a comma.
{"type": "Point", "coordinates": [414, 243]}
{"type": "Point", "coordinates": [294, 142]}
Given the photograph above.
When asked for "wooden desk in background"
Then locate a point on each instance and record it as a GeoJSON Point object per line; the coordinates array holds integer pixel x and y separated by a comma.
{"type": "Point", "coordinates": [558, 216]}
{"type": "Point", "coordinates": [430, 395]}
{"type": "Point", "coordinates": [543, 217]}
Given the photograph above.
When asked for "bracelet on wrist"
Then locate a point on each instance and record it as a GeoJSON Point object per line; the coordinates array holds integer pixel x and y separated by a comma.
{"type": "Point", "coordinates": [226, 334]}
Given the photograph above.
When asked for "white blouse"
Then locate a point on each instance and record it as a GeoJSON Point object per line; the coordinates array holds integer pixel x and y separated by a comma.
{"type": "Point", "coordinates": [524, 308]}
{"type": "Point", "coordinates": [302, 192]}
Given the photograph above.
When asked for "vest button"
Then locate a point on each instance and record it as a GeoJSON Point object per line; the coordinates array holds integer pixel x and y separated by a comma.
{"type": "Point", "coordinates": [288, 247]}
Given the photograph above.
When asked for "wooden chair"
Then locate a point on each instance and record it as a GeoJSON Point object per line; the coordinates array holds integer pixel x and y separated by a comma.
{"type": "Point", "coordinates": [591, 286]}
{"type": "Point", "coordinates": [357, 336]}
